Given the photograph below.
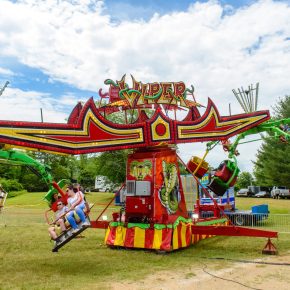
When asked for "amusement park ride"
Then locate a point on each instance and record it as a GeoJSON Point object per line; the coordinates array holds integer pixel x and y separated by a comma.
{"type": "Point", "coordinates": [155, 214]}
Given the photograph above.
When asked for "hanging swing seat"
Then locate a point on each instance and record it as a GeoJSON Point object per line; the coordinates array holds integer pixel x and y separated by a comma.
{"type": "Point", "coordinates": [224, 177]}
{"type": "Point", "coordinates": [199, 164]}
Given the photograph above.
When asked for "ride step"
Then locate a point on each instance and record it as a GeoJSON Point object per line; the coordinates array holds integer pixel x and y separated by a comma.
{"type": "Point", "coordinates": [66, 237]}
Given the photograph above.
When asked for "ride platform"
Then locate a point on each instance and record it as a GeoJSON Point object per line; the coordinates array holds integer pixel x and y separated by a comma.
{"type": "Point", "coordinates": [160, 237]}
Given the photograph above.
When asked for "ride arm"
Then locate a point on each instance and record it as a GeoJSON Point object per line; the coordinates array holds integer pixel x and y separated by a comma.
{"type": "Point", "coordinates": [280, 128]}
{"type": "Point", "coordinates": [20, 158]}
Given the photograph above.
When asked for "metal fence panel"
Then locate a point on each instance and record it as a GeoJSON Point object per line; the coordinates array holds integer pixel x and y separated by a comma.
{"type": "Point", "coordinates": [272, 222]}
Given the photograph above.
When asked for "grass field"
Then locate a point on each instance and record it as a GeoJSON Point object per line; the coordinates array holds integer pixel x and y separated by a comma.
{"type": "Point", "coordinates": [276, 206]}
{"type": "Point", "coordinates": [28, 263]}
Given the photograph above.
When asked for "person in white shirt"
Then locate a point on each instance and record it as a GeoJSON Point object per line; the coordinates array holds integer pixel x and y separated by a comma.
{"type": "Point", "coordinates": [60, 221]}
{"type": "Point", "coordinates": [76, 204]}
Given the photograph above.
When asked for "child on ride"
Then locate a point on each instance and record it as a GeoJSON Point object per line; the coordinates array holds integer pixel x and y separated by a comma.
{"type": "Point", "coordinates": [59, 216]}
{"type": "Point", "coordinates": [76, 204]}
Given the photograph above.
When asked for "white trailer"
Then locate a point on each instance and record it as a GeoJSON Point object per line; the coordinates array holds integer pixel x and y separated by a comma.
{"type": "Point", "coordinates": [102, 183]}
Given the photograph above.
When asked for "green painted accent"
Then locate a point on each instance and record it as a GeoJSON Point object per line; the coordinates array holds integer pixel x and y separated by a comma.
{"type": "Point", "coordinates": [233, 166]}
{"type": "Point", "coordinates": [220, 182]}
{"type": "Point", "coordinates": [156, 226]}
{"type": "Point", "coordinates": [121, 93]}
{"type": "Point", "coordinates": [161, 226]}
{"type": "Point", "coordinates": [155, 96]}
{"type": "Point", "coordinates": [271, 126]}
{"type": "Point", "coordinates": [188, 90]}
{"type": "Point", "coordinates": [172, 95]}
{"type": "Point", "coordinates": [138, 225]}
{"type": "Point", "coordinates": [181, 219]}
{"type": "Point", "coordinates": [110, 82]}
{"type": "Point", "coordinates": [211, 222]}
{"type": "Point", "coordinates": [167, 195]}
{"type": "Point", "coordinates": [211, 145]}
{"type": "Point", "coordinates": [116, 224]}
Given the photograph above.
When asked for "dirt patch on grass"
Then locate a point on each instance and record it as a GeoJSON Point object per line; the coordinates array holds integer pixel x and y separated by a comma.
{"type": "Point", "coordinates": [204, 275]}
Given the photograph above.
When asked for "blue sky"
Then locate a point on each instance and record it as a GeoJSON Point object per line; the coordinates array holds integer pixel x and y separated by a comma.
{"type": "Point", "coordinates": [135, 9]}
{"type": "Point", "coordinates": [34, 79]}
{"type": "Point", "coordinates": [56, 53]}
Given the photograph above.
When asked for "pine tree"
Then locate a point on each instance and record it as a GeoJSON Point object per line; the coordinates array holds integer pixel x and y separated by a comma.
{"type": "Point", "coordinates": [273, 159]}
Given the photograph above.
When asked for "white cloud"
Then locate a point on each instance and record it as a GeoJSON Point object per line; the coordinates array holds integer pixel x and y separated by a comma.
{"type": "Point", "coordinates": [6, 72]}
{"type": "Point", "coordinates": [18, 105]}
{"type": "Point", "coordinates": [77, 43]}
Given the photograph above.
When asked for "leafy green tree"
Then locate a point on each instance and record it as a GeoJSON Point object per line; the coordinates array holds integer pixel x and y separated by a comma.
{"type": "Point", "coordinates": [273, 159]}
{"type": "Point", "coordinates": [33, 183]}
{"type": "Point", "coordinates": [245, 179]}
{"type": "Point", "coordinates": [10, 184]}
{"type": "Point", "coordinates": [113, 165]}
{"type": "Point", "coordinates": [10, 171]}
{"type": "Point", "coordinates": [87, 165]}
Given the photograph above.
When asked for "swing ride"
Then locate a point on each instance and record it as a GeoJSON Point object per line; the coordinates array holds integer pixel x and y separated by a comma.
{"type": "Point", "coordinates": [155, 215]}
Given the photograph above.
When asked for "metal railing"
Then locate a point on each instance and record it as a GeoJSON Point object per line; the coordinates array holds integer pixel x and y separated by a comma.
{"type": "Point", "coordinates": [274, 222]}
{"type": "Point", "coordinates": [30, 216]}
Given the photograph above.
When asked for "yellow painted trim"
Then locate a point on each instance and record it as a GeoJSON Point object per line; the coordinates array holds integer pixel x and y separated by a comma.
{"type": "Point", "coordinates": [139, 238]}
{"type": "Point", "coordinates": [107, 234]}
{"type": "Point", "coordinates": [19, 133]}
{"type": "Point", "coordinates": [183, 234]}
{"type": "Point", "coordinates": [175, 239]}
{"type": "Point", "coordinates": [155, 136]}
{"type": "Point", "coordinates": [239, 125]}
{"type": "Point", "coordinates": [157, 240]}
{"type": "Point", "coordinates": [120, 236]}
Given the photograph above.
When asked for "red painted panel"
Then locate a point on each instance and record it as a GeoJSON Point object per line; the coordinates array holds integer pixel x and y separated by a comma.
{"type": "Point", "coordinates": [149, 238]}
{"type": "Point", "coordinates": [232, 231]}
{"type": "Point", "coordinates": [166, 239]}
{"type": "Point", "coordinates": [129, 240]}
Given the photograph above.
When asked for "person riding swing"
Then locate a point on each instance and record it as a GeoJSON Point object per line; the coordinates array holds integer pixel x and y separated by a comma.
{"type": "Point", "coordinates": [60, 220]}
{"type": "Point", "coordinates": [76, 205]}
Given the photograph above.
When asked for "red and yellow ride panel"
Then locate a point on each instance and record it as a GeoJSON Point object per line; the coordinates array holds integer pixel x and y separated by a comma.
{"type": "Point", "coordinates": [89, 131]}
{"type": "Point", "coordinates": [159, 237]}
{"type": "Point", "coordinates": [142, 236]}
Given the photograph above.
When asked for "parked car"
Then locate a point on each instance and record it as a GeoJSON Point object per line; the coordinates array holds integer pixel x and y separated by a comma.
{"type": "Point", "coordinates": [243, 192]}
{"type": "Point", "coordinates": [263, 194]}
{"type": "Point", "coordinates": [280, 192]}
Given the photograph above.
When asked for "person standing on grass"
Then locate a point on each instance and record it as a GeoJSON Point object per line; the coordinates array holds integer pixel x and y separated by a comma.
{"type": "Point", "coordinates": [75, 204]}
{"type": "Point", "coordinates": [3, 194]}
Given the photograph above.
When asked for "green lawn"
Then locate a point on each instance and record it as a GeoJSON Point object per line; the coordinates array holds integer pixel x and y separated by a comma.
{"type": "Point", "coordinates": [28, 263]}
{"type": "Point", "coordinates": [276, 206]}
